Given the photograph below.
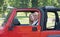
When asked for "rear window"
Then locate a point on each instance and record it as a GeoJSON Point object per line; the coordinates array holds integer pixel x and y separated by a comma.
{"type": "Point", "coordinates": [50, 20]}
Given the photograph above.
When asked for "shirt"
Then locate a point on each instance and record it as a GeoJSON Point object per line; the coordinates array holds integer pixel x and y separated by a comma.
{"type": "Point", "coordinates": [35, 23]}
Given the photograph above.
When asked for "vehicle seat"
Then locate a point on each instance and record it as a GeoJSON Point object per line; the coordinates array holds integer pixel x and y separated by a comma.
{"type": "Point", "coordinates": [16, 22]}
{"type": "Point", "coordinates": [58, 26]}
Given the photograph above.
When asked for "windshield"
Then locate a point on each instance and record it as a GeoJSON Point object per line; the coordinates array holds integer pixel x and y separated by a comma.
{"type": "Point", "coordinates": [4, 17]}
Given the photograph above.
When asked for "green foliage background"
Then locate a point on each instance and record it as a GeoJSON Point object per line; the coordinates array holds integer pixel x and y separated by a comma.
{"type": "Point", "coordinates": [26, 4]}
{"type": "Point", "coordinates": [4, 4]}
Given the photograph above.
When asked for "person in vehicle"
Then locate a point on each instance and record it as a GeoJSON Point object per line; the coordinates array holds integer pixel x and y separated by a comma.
{"type": "Point", "coordinates": [33, 18]}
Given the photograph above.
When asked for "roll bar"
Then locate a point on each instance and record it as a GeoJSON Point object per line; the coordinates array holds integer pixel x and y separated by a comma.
{"type": "Point", "coordinates": [51, 8]}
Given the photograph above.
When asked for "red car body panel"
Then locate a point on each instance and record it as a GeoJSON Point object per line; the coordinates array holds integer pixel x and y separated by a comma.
{"type": "Point", "coordinates": [24, 31]}
{"type": "Point", "coordinates": [19, 31]}
{"type": "Point", "coordinates": [47, 33]}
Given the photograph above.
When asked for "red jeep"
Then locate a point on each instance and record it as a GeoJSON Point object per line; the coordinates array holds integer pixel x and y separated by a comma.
{"type": "Point", "coordinates": [16, 26]}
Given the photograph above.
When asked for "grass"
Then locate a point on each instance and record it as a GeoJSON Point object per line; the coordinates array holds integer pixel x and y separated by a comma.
{"type": "Point", "coordinates": [24, 20]}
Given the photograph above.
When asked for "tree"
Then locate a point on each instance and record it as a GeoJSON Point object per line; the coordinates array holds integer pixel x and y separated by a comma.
{"type": "Point", "coordinates": [34, 3]}
{"type": "Point", "coordinates": [1, 4]}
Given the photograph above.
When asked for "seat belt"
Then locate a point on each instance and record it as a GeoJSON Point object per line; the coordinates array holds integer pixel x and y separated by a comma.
{"type": "Point", "coordinates": [35, 23]}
